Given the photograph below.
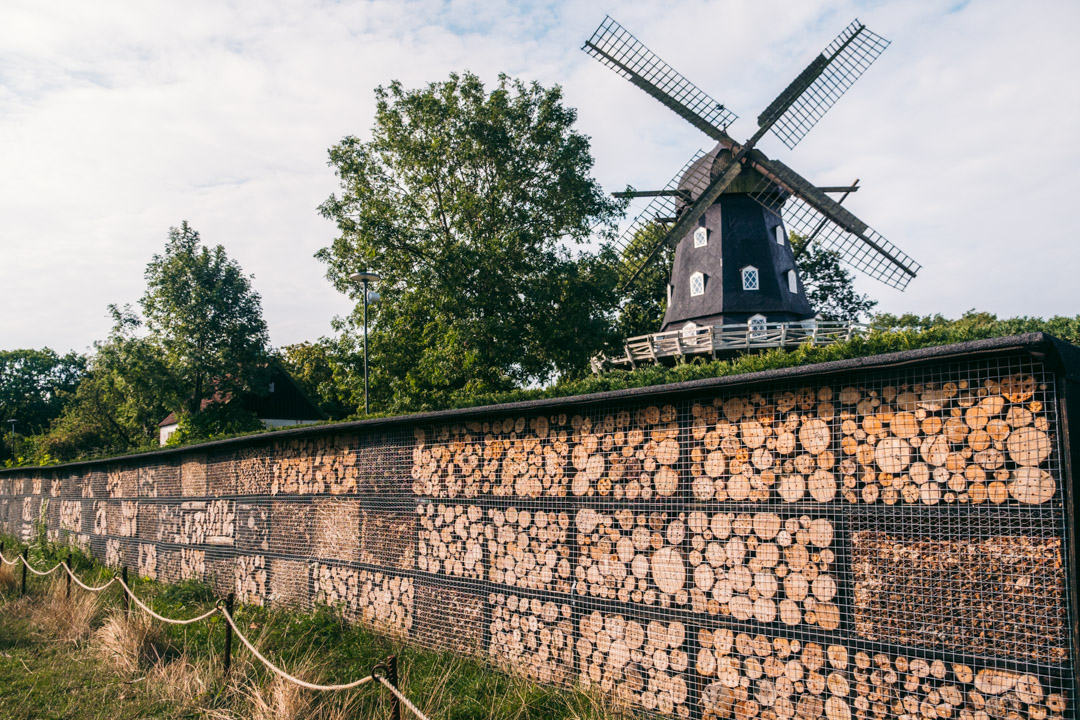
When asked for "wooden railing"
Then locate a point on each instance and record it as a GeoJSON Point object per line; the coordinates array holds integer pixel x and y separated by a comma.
{"type": "Point", "coordinates": [715, 340]}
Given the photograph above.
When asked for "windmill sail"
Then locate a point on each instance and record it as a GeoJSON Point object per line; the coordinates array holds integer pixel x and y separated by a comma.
{"type": "Point", "coordinates": [817, 88]}
{"type": "Point", "coordinates": [661, 212]}
{"type": "Point", "coordinates": [809, 212]}
{"type": "Point", "coordinates": [614, 46]}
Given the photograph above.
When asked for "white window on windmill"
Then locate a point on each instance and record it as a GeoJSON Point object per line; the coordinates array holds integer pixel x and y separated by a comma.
{"type": "Point", "coordinates": [697, 284]}
{"type": "Point", "coordinates": [749, 278]}
{"type": "Point", "coordinates": [701, 237]}
{"type": "Point", "coordinates": [689, 329]}
{"type": "Point", "coordinates": [757, 325]}
{"type": "Point", "coordinates": [781, 236]}
{"type": "Point", "coordinates": [792, 282]}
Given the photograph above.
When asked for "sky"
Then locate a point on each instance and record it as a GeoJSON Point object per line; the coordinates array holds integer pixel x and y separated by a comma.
{"type": "Point", "coordinates": [119, 120]}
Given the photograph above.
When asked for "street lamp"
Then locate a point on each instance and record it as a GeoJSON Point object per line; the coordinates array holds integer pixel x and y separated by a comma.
{"type": "Point", "coordinates": [13, 455]}
{"type": "Point", "coordinates": [365, 277]}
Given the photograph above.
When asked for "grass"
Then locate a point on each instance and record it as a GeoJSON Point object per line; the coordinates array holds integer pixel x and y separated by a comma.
{"type": "Point", "coordinates": [82, 657]}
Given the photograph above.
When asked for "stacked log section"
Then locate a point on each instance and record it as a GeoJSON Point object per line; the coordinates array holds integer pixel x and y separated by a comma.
{"type": "Point", "coordinates": [632, 557]}
{"type": "Point", "coordinates": [291, 528]}
{"type": "Point", "coordinates": [289, 583]}
{"type": "Point", "coordinates": [253, 471]}
{"type": "Point", "coordinates": [1003, 595]}
{"type": "Point", "coordinates": [517, 456]}
{"type": "Point", "coordinates": [168, 565]}
{"type": "Point", "coordinates": [745, 676]}
{"type": "Point", "coordinates": [192, 564]}
{"type": "Point", "coordinates": [101, 518]}
{"type": "Point", "coordinates": [326, 464]}
{"type": "Point", "coordinates": [624, 454]}
{"type": "Point", "coordinates": [451, 540]}
{"type": "Point", "coordinates": [448, 619]}
{"type": "Point", "coordinates": [220, 474]}
{"type": "Point", "coordinates": [252, 526]}
{"type": "Point", "coordinates": [250, 579]}
{"type": "Point", "coordinates": [529, 549]}
{"type": "Point", "coordinates": [149, 521]}
{"type": "Point", "coordinates": [532, 636]}
{"type": "Point", "coordinates": [763, 567]}
{"type": "Point", "coordinates": [877, 685]}
{"type": "Point", "coordinates": [385, 602]}
{"type": "Point", "coordinates": [95, 485]}
{"type": "Point", "coordinates": [951, 442]}
{"type": "Point", "coordinates": [114, 553]}
{"type": "Point", "coordinates": [193, 476]}
{"type": "Point", "coordinates": [159, 480]}
{"type": "Point", "coordinates": [335, 586]}
{"type": "Point", "coordinates": [388, 539]}
{"type": "Point", "coordinates": [147, 561]}
{"type": "Point", "coordinates": [755, 448]}
{"type": "Point", "coordinates": [641, 663]}
{"type": "Point", "coordinates": [336, 527]}
{"type": "Point", "coordinates": [198, 522]}
{"type": "Point", "coordinates": [128, 524]}
{"type": "Point", "coordinates": [122, 482]}
{"type": "Point", "coordinates": [71, 515]}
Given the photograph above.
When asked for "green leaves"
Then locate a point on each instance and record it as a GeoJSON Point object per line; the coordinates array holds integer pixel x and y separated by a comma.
{"type": "Point", "coordinates": [829, 286]}
{"type": "Point", "coordinates": [468, 203]}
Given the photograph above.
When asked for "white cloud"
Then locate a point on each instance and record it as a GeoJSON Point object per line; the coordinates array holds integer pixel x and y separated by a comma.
{"type": "Point", "coordinates": [118, 120]}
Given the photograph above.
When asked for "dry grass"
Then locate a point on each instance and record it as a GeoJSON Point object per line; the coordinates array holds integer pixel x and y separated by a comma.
{"type": "Point", "coordinates": [182, 680]}
{"type": "Point", "coordinates": [131, 644]}
{"type": "Point", "coordinates": [68, 619]}
{"type": "Point", "coordinates": [8, 581]}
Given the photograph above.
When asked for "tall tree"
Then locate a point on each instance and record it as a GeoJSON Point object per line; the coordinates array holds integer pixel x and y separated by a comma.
{"type": "Point", "coordinates": [327, 372]}
{"type": "Point", "coordinates": [126, 391]}
{"type": "Point", "coordinates": [466, 202]}
{"type": "Point", "coordinates": [645, 301]}
{"type": "Point", "coordinates": [202, 312]}
{"type": "Point", "coordinates": [35, 385]}
{"type": "Point", "coordinates": [830, 287]}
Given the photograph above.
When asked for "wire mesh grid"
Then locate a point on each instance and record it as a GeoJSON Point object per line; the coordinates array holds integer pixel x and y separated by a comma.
{"type": "Point", "coordinates": [889, 543]}
{"type": "Point", "coordinates": [837, 68]}
{"type": "Point", "coordinates": [615, 47]}
{"type": "Point", "coordinates": [866, 250]}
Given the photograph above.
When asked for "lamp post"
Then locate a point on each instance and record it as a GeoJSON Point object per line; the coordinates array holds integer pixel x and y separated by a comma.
{"type": "Point", "coordinates": [365, 278]}
{"type": "Point", "coordinates": [14, 457]}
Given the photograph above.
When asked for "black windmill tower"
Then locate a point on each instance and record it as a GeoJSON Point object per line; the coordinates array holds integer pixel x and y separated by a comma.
{"type": "Point", "coordinates": [728, 212]}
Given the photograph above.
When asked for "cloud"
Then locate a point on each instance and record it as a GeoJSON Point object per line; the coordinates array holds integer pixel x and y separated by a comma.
{"type": "Point", "coordinates": [118, 121]}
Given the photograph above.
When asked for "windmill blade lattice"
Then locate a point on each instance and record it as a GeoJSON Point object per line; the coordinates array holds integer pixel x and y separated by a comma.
{"type": "Point", "coordinates": [806, 100]}
{"type": "Point", "coordinates": [663, 209]}
{"type": "Point", "coordinates": [810, 213]}
{"type": "Point", "coordinates": [616, 47]}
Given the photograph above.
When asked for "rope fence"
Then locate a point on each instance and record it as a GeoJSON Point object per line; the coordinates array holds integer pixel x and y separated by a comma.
{"type": "Point", "coordinates": [385, 672]}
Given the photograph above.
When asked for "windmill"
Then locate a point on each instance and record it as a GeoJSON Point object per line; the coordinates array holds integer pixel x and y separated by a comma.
{"type": "Point", "coordinates": [734, 281]}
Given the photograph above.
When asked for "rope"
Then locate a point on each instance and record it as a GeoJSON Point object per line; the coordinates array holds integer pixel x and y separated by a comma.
{"type": "Point", "coordinates": [162, 618]}
{"type": "Point", "coordinates": [38, 572]}
{"type": "Point", "coordinates": [408, 703]}
{"type": "Point", "coordinates": [9, 562]}
{"type": "Point", "coordinates": [83, 585]}
{"type": "Point", "coordinates": [282, 673]}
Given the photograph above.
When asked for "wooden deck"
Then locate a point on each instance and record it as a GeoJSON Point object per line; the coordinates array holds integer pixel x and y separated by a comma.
{"type": "Point", "coordinates": [725, 340]}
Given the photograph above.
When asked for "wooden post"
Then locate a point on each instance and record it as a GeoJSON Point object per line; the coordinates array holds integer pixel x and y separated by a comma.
{"type": "Point", "coordinates": [67, 592]}
{"type": "Point", "coordinates": [22, 590]}
{"type": "Point", "coordinates": [127, 600]}
{"type": "Point", "coordinates": [227, 662]}
{"type": "Point", "coordinates": [392, 678]}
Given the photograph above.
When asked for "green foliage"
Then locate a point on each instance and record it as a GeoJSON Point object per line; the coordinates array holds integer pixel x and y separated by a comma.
{"type": "Point", "coordinates": [829, 286]}
{"type": "Point", "coordinates": [645, 301]}
{"type": "Point", "coordinates": [127, 390]}
{"type": "Point", "coordinates": [465, 201]}
{"type": "Point", "coordinates": [35, 386]}
{"type": "Point", "coordinates": [201, 311]}
{"type": "Point", "coordinates": [327, 371]}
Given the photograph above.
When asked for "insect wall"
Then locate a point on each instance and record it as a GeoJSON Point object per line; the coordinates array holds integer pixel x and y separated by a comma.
{"type": "Point", "coordinates": [887, 537]}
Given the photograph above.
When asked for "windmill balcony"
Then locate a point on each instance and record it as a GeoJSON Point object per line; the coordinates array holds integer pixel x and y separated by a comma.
{"type": "Point", "coordinates": [724, 341]}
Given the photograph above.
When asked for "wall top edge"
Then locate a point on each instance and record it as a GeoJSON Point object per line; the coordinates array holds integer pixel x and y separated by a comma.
{"type": "Point", "coordinates": [1059, 355]}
